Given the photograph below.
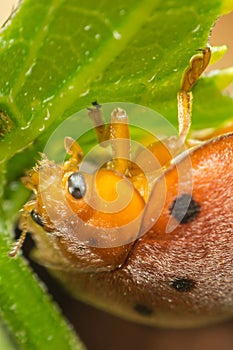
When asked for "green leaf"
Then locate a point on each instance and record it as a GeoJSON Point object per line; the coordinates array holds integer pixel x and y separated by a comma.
{"type": "Point", "coordinates": [217, 52]}
{"type": "Point", "coordinates": [5, 342]}
{"type": "Point", "coordinates": [76, 53]}
{"type": "Point", "coordinates": [227, 6]}
{"type": "Point", "coordinates": [58, 56]}
{"type": "Point", "coordinates": [27, 310]}
{"type": "Point", "coordinates": [222, 78]}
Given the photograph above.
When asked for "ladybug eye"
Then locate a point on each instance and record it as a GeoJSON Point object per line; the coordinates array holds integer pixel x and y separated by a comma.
{"type": "Point", "coordinates": [37, 218]}
{"type": "Point", "coordinates": [76, 185]}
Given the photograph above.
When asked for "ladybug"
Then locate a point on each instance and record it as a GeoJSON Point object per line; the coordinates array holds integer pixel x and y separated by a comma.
{"type": "Point", "coordinates": [157, 252]}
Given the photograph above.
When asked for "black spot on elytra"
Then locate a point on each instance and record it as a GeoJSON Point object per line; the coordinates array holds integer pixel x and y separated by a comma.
{"type": "Point", "coordinates": [143, 310]}
{"type": "Point", "coordinates": [37, 218]}
{"type": "Point", "coordinates": [184, 208]}
{"type": "Point", "coordinates": [183, 284]}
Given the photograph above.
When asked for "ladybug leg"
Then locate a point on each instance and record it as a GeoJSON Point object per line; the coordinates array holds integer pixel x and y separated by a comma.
{"type": "Point", "coordinates": [26, 211]}
{"type": "Point", "coordinates": [73, 149]}
{"type": "Point", "coordinates": [102, 129]}
{"type": "Point", "coordinates": [198, 64]}
{"type": "Point", "coordinates": [120, 141]}
{"type": "Point", "coordinates": [117, 133]}
{"type": "Point", "coordinates": [184, 113]}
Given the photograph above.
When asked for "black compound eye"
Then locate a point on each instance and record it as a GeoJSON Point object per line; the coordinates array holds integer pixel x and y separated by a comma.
{"type": "Point", "coordinates": [76, 185]}
{"type": "Point", "coordinates": [37, 218]}
{"type": "Point", "coordinates": [183, 284]}
{"type": "Point", "coordinates": [184, 208]}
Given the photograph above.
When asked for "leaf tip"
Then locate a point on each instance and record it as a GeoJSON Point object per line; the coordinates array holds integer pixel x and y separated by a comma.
{"type": "Point", "coordinates": [217, 52]}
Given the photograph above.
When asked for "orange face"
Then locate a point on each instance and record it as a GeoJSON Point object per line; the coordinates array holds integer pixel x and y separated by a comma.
{"type": "Point", "coordinates": [98, 213]}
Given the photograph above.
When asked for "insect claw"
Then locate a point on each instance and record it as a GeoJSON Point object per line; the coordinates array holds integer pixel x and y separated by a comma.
{"type": "Point", "coordinates": [96, 107]}
{"type": "Point", "coordinates": [96, 104]}
{"type": "Point", "coordinates": [197, 65]}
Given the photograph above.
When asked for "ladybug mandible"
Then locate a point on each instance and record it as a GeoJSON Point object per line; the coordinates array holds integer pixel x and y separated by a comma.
{"type": "Point", "coordinates": [179, 272]}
